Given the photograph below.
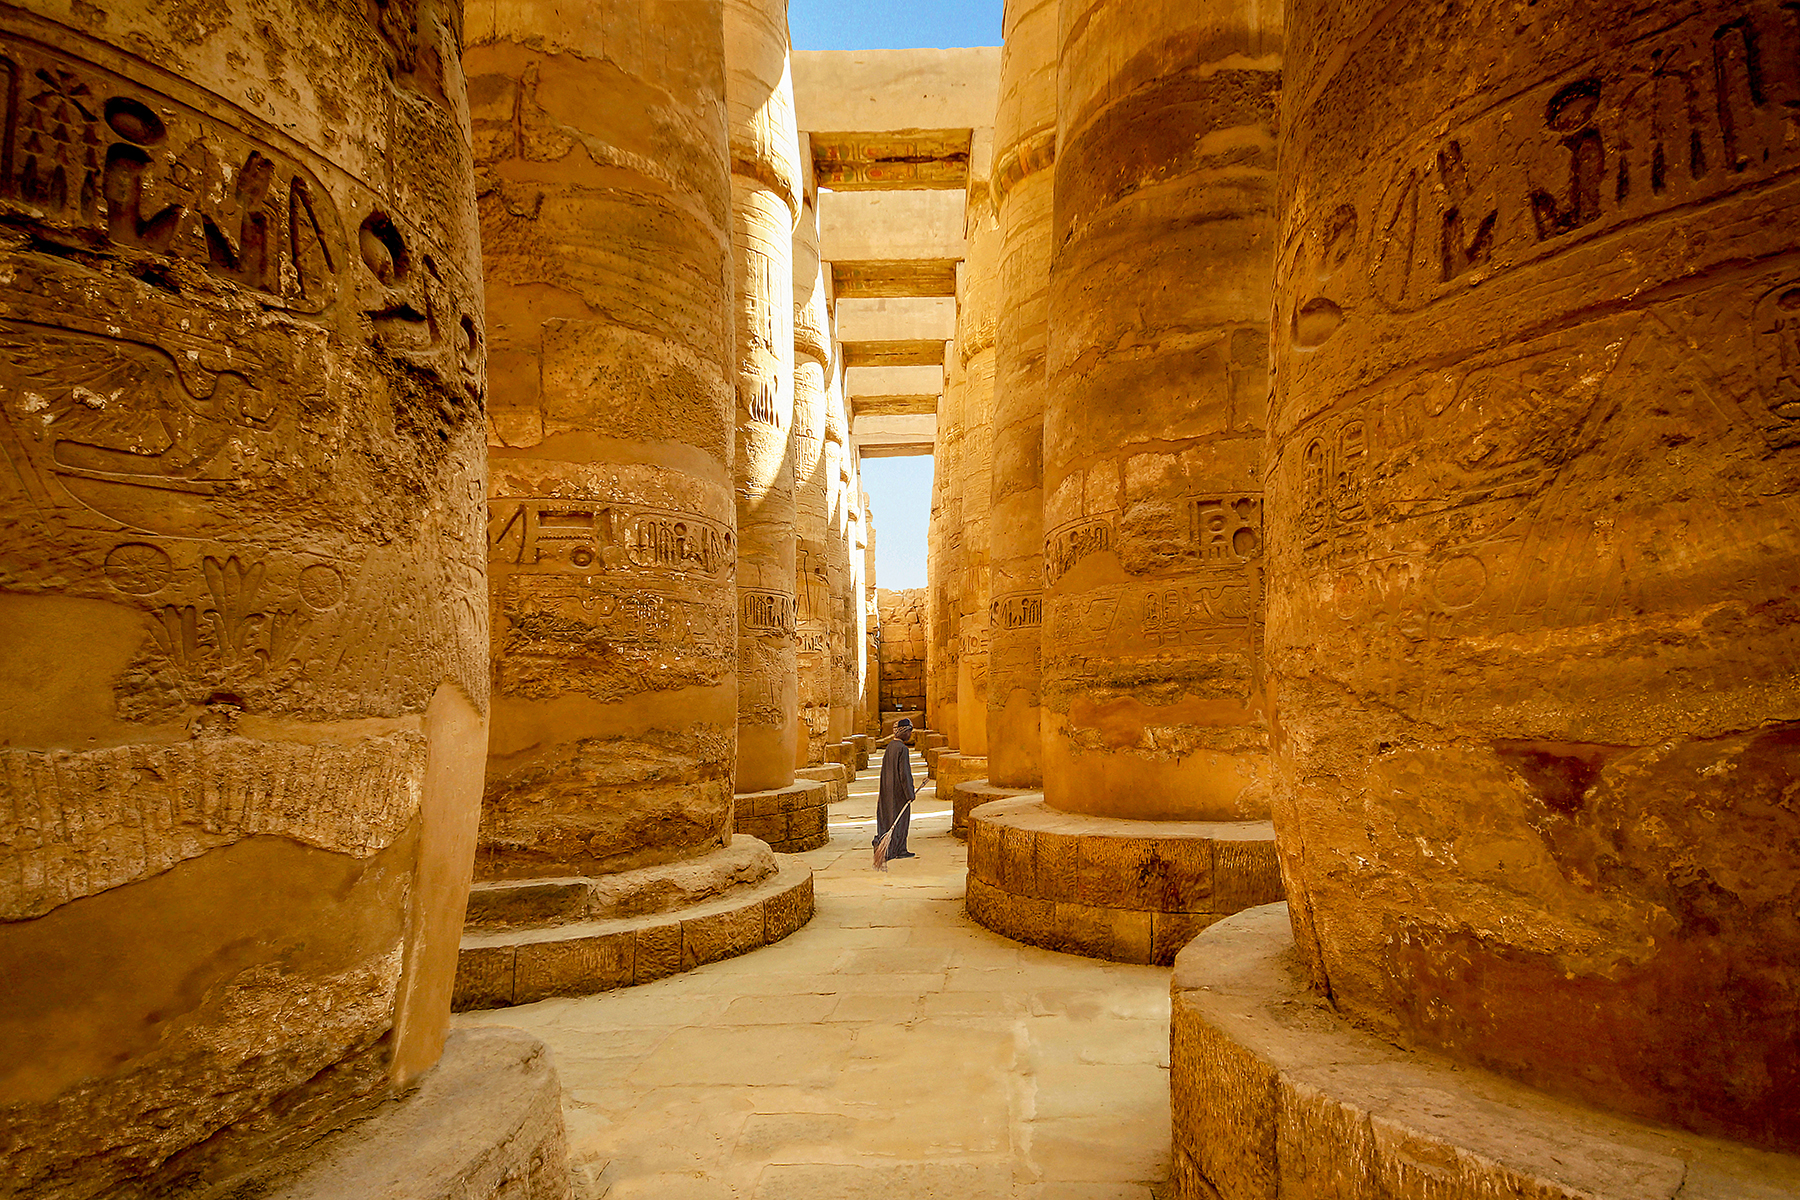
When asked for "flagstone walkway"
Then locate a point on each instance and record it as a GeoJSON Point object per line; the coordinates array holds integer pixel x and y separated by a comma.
{"type": "Point", "coordinates": [890, 1050]}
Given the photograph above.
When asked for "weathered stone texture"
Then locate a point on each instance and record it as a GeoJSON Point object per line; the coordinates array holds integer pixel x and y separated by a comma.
{"type": "Point", "coordinates": [243, 373]}
{"type": "Point", "coordinates": [1274, 1096]}
{"type": "Point", "coordinates": [1023, 186]}
{"type": "Point", "coordinates": [815, 488]}
{"type": "Point", "coordinates": [765, 205]}
{"type": "Point", "coordinates": [611, 529]}
{"type": "Point", "coordinates": [789, 819]}
{"type": "Point", "coordinates": [1153, 425]}
{"type": "Point", "coordinates": [977, 310]}
{"type": "Point", "coordinates": [1536, 562]}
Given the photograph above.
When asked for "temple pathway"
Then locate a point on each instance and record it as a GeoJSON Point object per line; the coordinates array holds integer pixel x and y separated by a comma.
{"type": "Point", "coordinates": [890, 1050]}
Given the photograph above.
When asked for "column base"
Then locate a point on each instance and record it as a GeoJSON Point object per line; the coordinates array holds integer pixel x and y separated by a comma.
{"type": "Point", "coordinates": [972, 795]}
{"type": "Point", "coordinates": [1277, 1097]}
{"type": "Point", "coordinates": [529, 940]}
{"type": "Point", "coordinates": [955, 768]}
{"type": "Point", "coordinates": [790, 819]}
{"type": "Point", "coordinates": [1127, 891]}
{"type": "Point", "coordinates": [862, 743]}
{"type": "Point", "coordinates": [485, 1123]}
{"type": "Point", "coordinates": [835, 777]}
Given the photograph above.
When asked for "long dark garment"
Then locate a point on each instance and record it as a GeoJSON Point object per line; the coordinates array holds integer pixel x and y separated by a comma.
{"type": "Point", "coordinates": [896, 793]}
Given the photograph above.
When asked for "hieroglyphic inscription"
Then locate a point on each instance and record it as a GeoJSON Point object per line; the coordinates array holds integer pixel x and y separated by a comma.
{"type": "Point", "coordinates": [1069, 545]}
{"type": "Point", "coordinates": [1020, 610]}
{"type": "Point", "coordinates": [765, 612]}
{"type": "Point", "coordinates": [603, 537]}
{"type": "Point", "coordinates": [1682, 115]}
{"type": "Point", "coordinates": [78, 823]}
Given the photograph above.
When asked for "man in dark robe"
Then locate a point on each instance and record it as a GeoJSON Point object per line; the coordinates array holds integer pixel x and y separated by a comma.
{"type": "Point", "coordinates": [893, 807]}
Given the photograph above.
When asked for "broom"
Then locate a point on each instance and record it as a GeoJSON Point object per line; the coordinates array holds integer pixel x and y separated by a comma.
{"type": "Point", "coordinates": [881, 847]}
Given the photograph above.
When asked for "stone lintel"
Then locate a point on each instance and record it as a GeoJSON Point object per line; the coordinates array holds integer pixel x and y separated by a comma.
{"type": "Point", "coordinates": [1128, 891]}
{"type": "Point", "coordinates": [877, 91]}
{"type": "Point", "coordinates": [485, 1123]}
{"type": "Point", "coordinates": [893, 278]}
{"type": "Point", "coordinates": [1277, 1097]}
{"type": "Point", "coordinates": [908, 352]}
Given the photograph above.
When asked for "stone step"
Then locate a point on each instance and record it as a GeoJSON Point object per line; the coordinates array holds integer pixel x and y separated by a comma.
{"type": "Point", "coordinates": [499, 904]}
{"type": "Point", "coordinates": [1128, 891]}
{"type": "Point", "coordinates": [521, 966]}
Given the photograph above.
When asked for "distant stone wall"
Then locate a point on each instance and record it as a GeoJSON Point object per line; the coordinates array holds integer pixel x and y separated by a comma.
{"type": "Point", "coordinates": [902, 648]}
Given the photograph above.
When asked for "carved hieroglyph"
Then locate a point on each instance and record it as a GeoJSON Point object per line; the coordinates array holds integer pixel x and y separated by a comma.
{"type": "Point", "coordinates": [1153, 424]}
{"type": "Point", "coordinates": [1536, 559]}
{"type": "Point", "coordinates": [975, 319]}
{"type": "Point", "coordinates": [241, 383]}
{"type": "Point", "coordinates": [815, 484]}
{"type": "Point", "coordinates": [765, 204]}
{"type": "Point", "coordinates": [1024, 149]}
{"type": "Point", "coordinates": [611, 533]}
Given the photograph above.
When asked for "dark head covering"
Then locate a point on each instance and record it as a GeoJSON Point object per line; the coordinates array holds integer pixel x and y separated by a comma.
{"type": "Point", "coordinates": [903, 723]}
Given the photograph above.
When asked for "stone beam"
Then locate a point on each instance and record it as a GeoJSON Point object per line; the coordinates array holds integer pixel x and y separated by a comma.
{"type": "Point", "coordinates": [895, 406]}
{"type": "Point", "coordinates": [890, 226]}
{"type": "Point", "coordinates": [888, 436]}
{"type": "Point", "coordinates": [878, 91]}
{"type": "Point", "coordinates": [918, 278]}
{"type": "Point", "coordinates": [900, 318]}
{"type": "Point", "coordinates": [893, 381]}
{"type": "Point", "coordinates": [913, 352]}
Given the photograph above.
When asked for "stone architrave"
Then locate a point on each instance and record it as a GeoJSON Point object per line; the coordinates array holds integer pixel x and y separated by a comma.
{"type": "Point", "coordinates": [815, 489]}
{"type": "Point", "coordinates": [241, 394]}
{"type": "Point", "coordinates": [1153, 820]}
{"type": "Point", "coordinates": [1023, 184]}
{"type": "Point", "coordinates": [1536, 443]}
{"type": "Point", "coordinates": [611, 531]}
{"type": "Point", "coordinates": [976, 312]}
{"type": "Point", "coordinates": [765, 206]}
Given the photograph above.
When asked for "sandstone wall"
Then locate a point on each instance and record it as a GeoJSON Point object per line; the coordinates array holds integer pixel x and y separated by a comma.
{"type": "Point", "coordinates": [611, 526]}
{"type": "Point", "coordinates": [1153, 423]}
{"type": "Point", "coordinates": [245, 688]}
{"type": "Point", "coordinates": [1535, 553]}
{"type": "Point", "coordinates": [903, 649]}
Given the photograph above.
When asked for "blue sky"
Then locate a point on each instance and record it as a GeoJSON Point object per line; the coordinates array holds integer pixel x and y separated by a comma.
{"type": "Point", "coordinates": [900, 498]}
{"type": "Point", "coordinates": [892, 24]}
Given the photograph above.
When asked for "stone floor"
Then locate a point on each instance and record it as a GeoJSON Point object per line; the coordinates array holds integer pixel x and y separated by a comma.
{"type": "Point", "coordinates": [890, 1050]}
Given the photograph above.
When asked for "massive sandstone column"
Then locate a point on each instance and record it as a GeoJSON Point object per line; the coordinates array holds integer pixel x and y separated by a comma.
{"type": "Point", "coordinates": [606, 203]}
{"type": "Point", "coordinates": [1536, 545]}
{"type": "Point", "coordinates": [977, 288]}
{"type": "Point", "coordinates": [1024, 150]}
{"type": "Point", "coordinates": [1155, 755]}
{"type": "Point", "coordinates": [765, 204]}
{"type": "Point", "coordinates": [944, 571]}
{"type": "Point", "coordinates": [871, 626]}
{"type": "Point", "coordinates": [241, 378]}
{"type": "Point", "coordinates": [815, 487]}
{"type": "Point", "coordinates": [845, 537]}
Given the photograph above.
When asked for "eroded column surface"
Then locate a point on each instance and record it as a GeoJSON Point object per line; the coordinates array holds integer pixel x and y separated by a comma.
{"type": "Point", "coordinates": [241, 376]}
{"type": "Point", "coordinates": [1153, 423]}
{"type": "Point", "coordinates": [611, 537]}
{"type": "Point", "coordinates": [1535, 549]}
{"type": "Point", "coordinates": [815, 485]}
{"type": "Point", "coordinates": [871, 618]}
{"type": "Point", "coordinates": [976, 311]}
{"type": "Point", "coordinates": [1024, 150]}
{"type": "Point", "coordinates": [765, 204]}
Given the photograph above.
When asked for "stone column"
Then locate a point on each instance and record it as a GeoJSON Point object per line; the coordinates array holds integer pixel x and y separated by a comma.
{"type": "Point", "coordinates": [611, 520]}
{"type": "Point", "coordinates": [945, 570]}
{"type": "Point", "coordinates": [245, 692]}
{"type": "Point", "coordinates": [1537, 455]}
{"type": "Point", "coordinates": [871, 617]}
{"type": "Point", "coordinates": [765, 204]}
{"type": "Point", "coordinates": [1155, 733]}
{"type": "Point", "coordinates": [815, 488]}
{"type": "Point", "coordinates": [976, 311]}
{"type": "Point", "coordinates": [846, 533]}
{"type": "Point", "coordinates": [1024, 150]}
